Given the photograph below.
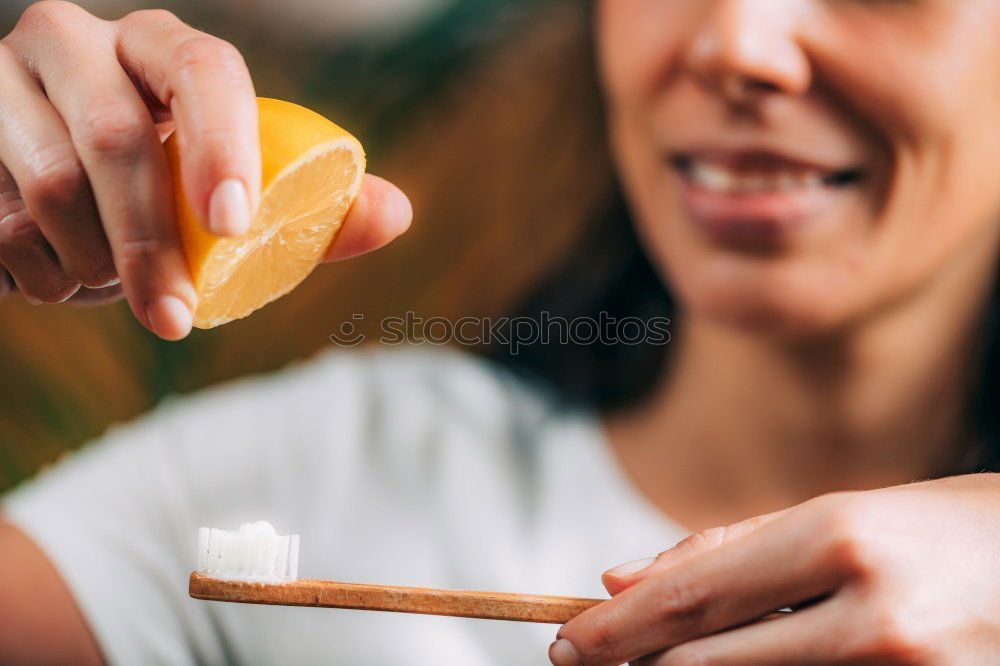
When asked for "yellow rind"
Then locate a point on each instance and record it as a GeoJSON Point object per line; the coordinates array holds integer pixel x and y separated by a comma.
{"type": "Point", "coordinates": [290, 135]}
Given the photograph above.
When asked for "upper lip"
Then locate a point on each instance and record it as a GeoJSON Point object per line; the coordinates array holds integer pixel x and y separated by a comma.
{"type": "Point", "coordinates": [762, 157]}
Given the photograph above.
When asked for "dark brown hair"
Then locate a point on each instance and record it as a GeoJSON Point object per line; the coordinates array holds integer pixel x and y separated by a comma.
{"type": "Point", "coordinates": [605, 271]}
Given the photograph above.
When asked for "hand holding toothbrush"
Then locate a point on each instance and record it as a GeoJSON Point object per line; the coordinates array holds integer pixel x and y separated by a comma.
{"type": "Point", "coordinates": [903, 575]}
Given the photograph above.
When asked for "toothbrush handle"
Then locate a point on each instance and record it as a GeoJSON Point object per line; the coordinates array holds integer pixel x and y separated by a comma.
{"type": "Point", "coordinates": [459, 603]}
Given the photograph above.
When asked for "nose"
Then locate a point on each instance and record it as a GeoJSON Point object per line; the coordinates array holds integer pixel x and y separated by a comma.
{"type": "Point", "coordinates": [744, 49]}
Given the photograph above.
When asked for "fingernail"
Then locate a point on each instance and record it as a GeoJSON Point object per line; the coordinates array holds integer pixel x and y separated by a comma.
{"type": "Point", "coordinates": [562, 653]}
{"type": "Point", "coordinates": [229, 209]}
{"type": "Point", "coordinates": [169, 317]}
{"type": "Point", "coordinates": [629, 568]}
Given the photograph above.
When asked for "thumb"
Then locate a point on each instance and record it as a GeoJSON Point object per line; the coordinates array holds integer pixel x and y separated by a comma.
{"type": "Point", "coordinates": [626, 575]}
{"type": "Point", "coordinates": [379, 214]}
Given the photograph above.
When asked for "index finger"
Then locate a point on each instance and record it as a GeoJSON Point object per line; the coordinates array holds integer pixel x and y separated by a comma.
{"type": "Point", "coordinates": [778, 565]}
{"type": "Point", "coordinates": [626, 575]}
{"type": "Point", "coordinates": [204, 82]}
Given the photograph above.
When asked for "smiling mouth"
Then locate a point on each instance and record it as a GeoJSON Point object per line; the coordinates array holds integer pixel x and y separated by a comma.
{"type": "Point", "coordinates": [760, 200]}
{"type": "Point", "coordinates": [759, 173]}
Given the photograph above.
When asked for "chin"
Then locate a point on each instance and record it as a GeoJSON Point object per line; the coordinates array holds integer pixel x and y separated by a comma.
{"type": "Point", "coordinates": [787, 303]}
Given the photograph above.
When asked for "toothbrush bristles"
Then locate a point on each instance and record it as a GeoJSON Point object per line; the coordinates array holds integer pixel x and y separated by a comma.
{"type": "Point", "coordinates": [254, 553]}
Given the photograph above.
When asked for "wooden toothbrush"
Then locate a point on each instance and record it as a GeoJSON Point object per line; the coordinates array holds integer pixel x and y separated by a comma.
{"type": "Point", "coordinates": [428, 601]}
{"type": "Point", "coordinates": [254, 565]}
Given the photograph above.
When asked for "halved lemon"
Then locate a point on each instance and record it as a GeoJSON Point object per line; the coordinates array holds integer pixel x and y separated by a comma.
{"type": "Point", "coordinates": [311, 174]}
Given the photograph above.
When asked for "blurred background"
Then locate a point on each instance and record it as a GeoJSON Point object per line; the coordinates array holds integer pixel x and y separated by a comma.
{"type": "Point", "coordinates": [484, 111]}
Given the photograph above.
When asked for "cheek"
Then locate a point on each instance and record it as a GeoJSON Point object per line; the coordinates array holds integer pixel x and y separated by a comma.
{"type": "Point", "coordinates": [637, 43]}
{"type": "Point", "coordinates": [943, 198]}
{"type": "Point", "coordinates": [934, 102]}
{"type": "Point", "coordinates": [943, 214]}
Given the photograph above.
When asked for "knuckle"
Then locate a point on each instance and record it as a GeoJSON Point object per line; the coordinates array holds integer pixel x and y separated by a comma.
{"type": "Point", "coordinates": [138, 253]}
{"type": "Point", "coordinates": [92, 274]}
{"type": "Point", "coordinates": [850, 541]}
{"type": "Point", "coordinates": [203, 51]}
{"type": "Point", "coordinates": [721, 535]}
{"type": "Point", "coordinates": [47, 13]}
{"type": "Point", "coordinates": [114, 129]}
{"type": "Point", "coordinates": [701, 540]}
{"type": "Point", "coordinates": [690, 542]}
{"type": "Point", "coordinates": [11, 203]}
{"type": "Point", "coordinates": [22, 243]}
{"type": "Point", "coordinates": [600, 642]}
{"type": "Point", "coordinates": [848, 551]}
{"type": "Point", "coordinates": [680, 604]}
{"type": "Point", "coordinates": [52, 21]}
{"type": "Point", "coordinates": [891, 639]}
{"type": "Point", "coordinates": [17, 231]}
{"type": "Point", "coordinates": [55, 288]}
{"type": "Point", "coordinates": [753, 523]}
{"type": "Point", "coordinates": [56, 180]}
{"type": "Point", "coordinates": [156, 17]}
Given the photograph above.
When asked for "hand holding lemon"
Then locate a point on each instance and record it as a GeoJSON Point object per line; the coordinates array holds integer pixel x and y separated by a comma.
{"type": "Point", "coordinates": [235, 212]}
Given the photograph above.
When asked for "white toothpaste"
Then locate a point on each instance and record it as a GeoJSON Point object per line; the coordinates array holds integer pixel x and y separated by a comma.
{"type": "Point", "coordinates": [254, 553]}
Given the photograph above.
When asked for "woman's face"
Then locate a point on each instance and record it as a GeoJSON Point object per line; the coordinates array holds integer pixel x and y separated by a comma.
{"type": "Point", "coordinates": [797, 164]}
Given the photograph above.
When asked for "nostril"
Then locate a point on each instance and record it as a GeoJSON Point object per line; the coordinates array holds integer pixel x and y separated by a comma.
{"type": "Point", "coordinates": [741, 89]}
{"type": "Point", "coordinates": [761, 86]}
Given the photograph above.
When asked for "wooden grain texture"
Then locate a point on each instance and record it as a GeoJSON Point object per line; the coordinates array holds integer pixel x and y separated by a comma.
{"type": "Point", "coordinates": [457, 603]}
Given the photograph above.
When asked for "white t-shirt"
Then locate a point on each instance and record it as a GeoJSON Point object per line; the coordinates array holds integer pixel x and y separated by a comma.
{"type": "Point", "coordinates": [405, 467]}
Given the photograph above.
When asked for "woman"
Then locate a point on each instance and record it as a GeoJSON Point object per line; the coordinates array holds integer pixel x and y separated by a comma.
{"type": "Point", "coordinates": [812, 179]}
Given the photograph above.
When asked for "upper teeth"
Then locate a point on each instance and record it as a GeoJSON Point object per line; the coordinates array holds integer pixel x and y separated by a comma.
{"type": "Point", "coordinates": [723, 179]}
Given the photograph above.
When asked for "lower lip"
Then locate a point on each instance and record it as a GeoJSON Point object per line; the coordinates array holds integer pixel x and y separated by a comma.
{"type": "Point", "coordinates": [756, 220]}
